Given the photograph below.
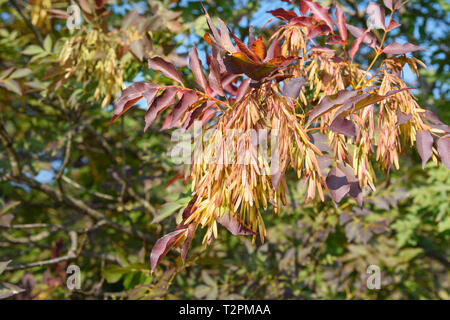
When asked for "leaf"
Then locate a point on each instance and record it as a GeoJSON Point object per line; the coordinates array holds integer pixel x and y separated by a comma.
{"type": "Point", "coordinates": [242, 90]}
{"type": "Point", "coordinates": [355, 189]}
{"type": "Point", "coordinates": [301, 21]}
{"type": "Point", "coordinates": [367, 100]}
{"type": "Point", "coordinates": [197, 69]}
{"type": "Point", "coordinates": [225, 37]}
{"type": "Point", "coordinates": [201, 291]}
{"type": "Point", "coordinates": [376, 15]}
{"type": "Point", "coordinates": [239, 62]}
{"type": "Point", "coordinates": [131, 95]}
{"type": "Point", "coordinates": [180, 108]}
{"type": "Point", "coordinates": [443, 148]}
{"type": "Point", "coordinates": [20, 73]}
{"type": "Point", "coordinates": [163, 245]}
{"type": "Point", "coordinates": [273, 51]}
{"type": "Point", "coordinates": [401, 48]}
{"type": "Point", "coordinates": [168, 69]}
{"type": "Point", "coordinates": [5, 220]}
{"type": "Point", "coordinates": [337, 184]}
{"type": "Point", "coordinates": [187, 243]}
{"type": "Point", "coordinates": [13, 86]}
{"type": "Point", "coordinates": [32, 50]}
{"type": "Point", "coordinates": [356, 44]}
{"type": "Point", "coordinates": [283, 14]}
{"type": "Point", "coordinates": [340, 21]}
{"type": "Point", "coordinates": [319, 30]}
{"type": "Point", "coordinates": [424, 143]}
{"type": "Point", "coordinates": [328, 103]}
{"type": "Point", "coordinates": [368, 39]}
{"type": "Point", "coordinates": [335, 40]}
{"type": "Point", "coordinates": [320, 13]}
{"type": "Point", "coordinates": [234, 225]}
{"type": "Point", "coordinates": [402, 118]}
{"type": "Point", "coordinates": [113, 273]}
{"type": "Point", "coordinates": [392, 25]}
{"type": "Point", "coordinates": [159, 104]}
{"type": "Point", "coordinates": [343, 126]}
{"type": "Point", "coordinates": [8, 290]}
{"type": "Point", "coordinates": [3, 265]}
{"type": "Point", "coordinates": [246, 51]}
{"type": "Point", "coordinates": [259, 48]}
{"type": "Point", "coordinates": [48, 43]}
{"type": "Point", "coordinates": [208, 280]}
{"type": "Point", "coordinates": [436, 122]}
{"type": "Point", "coordinates": [352, 230]}
{"type": "Point", "coordinates": [293, 87]}
{"type": "Point", "coordinates": [388, 4]}
{"type": "Point", "coordinates": [165, 211]}
{"type": "Point", "coordinates": [214, 77]}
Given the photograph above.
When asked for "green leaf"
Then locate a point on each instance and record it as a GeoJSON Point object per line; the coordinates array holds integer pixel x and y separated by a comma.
{"type": "Point", "coordinates": [113, 274]}
{"type": "Point", "coordinates": [48, 44]}
{"type": "Point", "coordinates": [166, 210]}
{"type": "Point", "coordinates": [31, 50]}
{"type": "Point", "coordinates": [13, 85]}
{"type": "Point", "coordinates": [3, 265]}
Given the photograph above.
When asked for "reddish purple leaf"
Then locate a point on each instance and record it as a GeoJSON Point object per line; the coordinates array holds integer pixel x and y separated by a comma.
{"type": "Point", "coordinates": [436, 122]}
{"type": "Point", "coordinates": [301, 21]}
{"type": "Point", "coordinates": [356, 44]}
{"type": "Point", "coordinates": [340, 20]}
{"type": "Point", "coordinates": [402, 118]}
{"type": "Point", "coordinates": [293, 87]}
{"type": "Point", "coordinates": [234, 225]}
{"type": "Point", "coordinates": [134, 91]}
{"type": "Point", "coordinates": [225, 37]}
{"type": "Point", "coordinates": [392, 25]}
{"type": "Point", "coordinates": [355, 190]}
{"type": "Point", "coordinates": [283, 14]}
{"type": "Point", "coordinates": [163, 245]}
{"type": "Point", "coordinates": [401, 48]}
{"type": "Point", "coordinates": [303, 7]}
{"type": "Point", "coordinates": [187, 243]}
{"type": "Point", "coordinates": [168, 69]}
{"type": "Point", "coordinates": [214, 77]}
{"type": "Point", "coordinates": [320, 13]}
{"type": "Point", "coordinates": [328, 103]}
{"type": "Point", "coordinates": [180, 108]}
{"type": "Point", "coordinates": [376, 15]}
{"type": "Point", "coordinates": [337, 184]}
{"type": "Point", "coordinates": [159, 104]}
{"type": "Point", "coordinates": [443, 147]}
{"type": "Point", "coordinates": [343, 126]}
{"type": "Point", "coordinates": [399, 4]}
{"type": "Point", "coordinates": [273, 51]}
{"type": "Point", "coordinates": [242, 90]}
{"type": "Point", "coordinates": [196, 66]}
{"type": "Point", "coordinates": [424, 143]}
{"type": "Point", "coordinates": [318, 30]}
{"type": "Point", "coordinates": [131, 95]}
{"type": "Point", "coordinates": [369, 38]}
{"type": "Point", "coordinates": [388, 4]}
{"type": "Point", "coordinates": [335, 40]}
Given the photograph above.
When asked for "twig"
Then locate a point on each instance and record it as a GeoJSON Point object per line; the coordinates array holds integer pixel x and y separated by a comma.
{"type": "Point", "coordinates": [71, 254]}
{"type": "Point", "coordinates": [28, 22]}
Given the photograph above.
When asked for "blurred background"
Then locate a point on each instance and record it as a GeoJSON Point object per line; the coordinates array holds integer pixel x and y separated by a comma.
{"type": "Point", "coordinates": [73, 193]}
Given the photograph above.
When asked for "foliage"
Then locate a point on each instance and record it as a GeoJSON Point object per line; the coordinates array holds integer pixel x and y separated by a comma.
{"type": "Point", "coordinates": [75, 192]}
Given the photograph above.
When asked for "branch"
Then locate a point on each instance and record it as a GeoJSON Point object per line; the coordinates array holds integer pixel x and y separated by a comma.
{"type": "Point", "coordinates": [71, 254]}
{"type": "Point", "coordinates": [28, 22]}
